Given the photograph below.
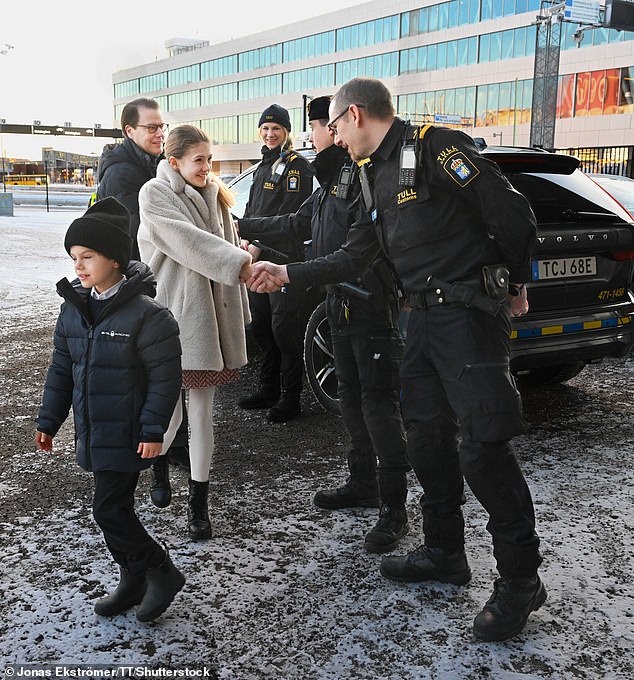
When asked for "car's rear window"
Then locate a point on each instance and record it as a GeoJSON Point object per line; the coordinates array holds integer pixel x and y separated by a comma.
{"type": "Point", "coordinates": [557, 198]}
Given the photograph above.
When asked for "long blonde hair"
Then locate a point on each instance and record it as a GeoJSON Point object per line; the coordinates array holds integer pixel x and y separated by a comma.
{"type": "Point", "coordinates": [182, 138]}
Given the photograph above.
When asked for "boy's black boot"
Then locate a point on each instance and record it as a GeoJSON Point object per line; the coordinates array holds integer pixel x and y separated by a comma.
{"type": "Point", "coordinates": [129, 592]}
{"type": "Point", "coordinates": [391, 526]}
{"type": "Point", "coordinates": [361, 490]}
{"type": "Point", "coordinates": [197, 511]}
{"type": "Point", "coordinates": [163, 582]}
{"type": "Point", "coordinates": [508, 608]}
{"type": "Point", "coordinates": [427, 564]}
{"type": "Point", "coordinates": [160, 489]}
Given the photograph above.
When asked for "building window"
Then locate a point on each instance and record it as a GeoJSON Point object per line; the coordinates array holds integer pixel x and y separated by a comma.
{"type": "Point", "coordinates": [255, 88]}
{"type": "Point", "coordinates": [218, 68]}
{"type": "Point", "coordinates": [271, 55]}
{"type": "Point", "coordinates": [426, 107]}
{"type": "Point", "coordinates": [157, 81]}
{"type": "Point", "coordinates": [221, 130]}
{"type": "Point", "coordinates": [183, 76]}
{"type": "Point", "coordinates": [368, 33]}
{"type": "Point", "coordinates": [129, 88]}
{"type": "Point", "coordinates": [219, 94]}
{"type": "Point", "coordinates": [379, 66]}
{"type": "Point", "coordinates": [309, 46]}
{"type": "Point", "coordinates": [183, 100]}
{"type": "Point", "coordinates": [507, 103]}
{"type": "Point", "coordinates": [248, 128]}
{"type": "Point", "coordinates": [309, 78]}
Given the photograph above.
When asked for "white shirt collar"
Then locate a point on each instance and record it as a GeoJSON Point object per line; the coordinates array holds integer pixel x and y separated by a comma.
{"type": "Point", "coordinates": [107, 294]}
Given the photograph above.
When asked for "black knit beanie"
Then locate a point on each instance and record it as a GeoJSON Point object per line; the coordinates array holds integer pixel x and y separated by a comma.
{"type": "Point", "coordinates": [318, 108]}
{"type": "Point", "coordinates": [276, 114]}
{"type": "Point", "coordinates": [105, 228]}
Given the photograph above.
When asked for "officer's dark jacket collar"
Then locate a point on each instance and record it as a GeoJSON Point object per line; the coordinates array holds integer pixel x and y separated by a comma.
{"type": "Point", "coordinates": [390, 141]}
{"type": "Point", "coordinates": [271, 155]}
{"type": "Point", "coordinates": [327, 162]}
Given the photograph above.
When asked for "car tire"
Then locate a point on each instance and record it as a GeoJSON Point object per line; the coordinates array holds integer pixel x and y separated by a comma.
{"type": "Point", "coordinates": [320, 361]}
{"type": "Point", "coordinates": [550, 375]}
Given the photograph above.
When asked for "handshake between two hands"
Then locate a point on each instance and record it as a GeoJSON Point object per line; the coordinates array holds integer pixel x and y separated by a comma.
{"type": "Point", "coordinates": [264, 277]}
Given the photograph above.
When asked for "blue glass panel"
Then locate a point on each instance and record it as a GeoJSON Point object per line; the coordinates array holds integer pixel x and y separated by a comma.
{"type": "Point", "coordinates": [495, 47]}
{"type": "Point", "coordinates": [431, 57]}
{"type": "Point", "coordinates": [496, 10]}
{"type": "Point", "coordinates": [432, 16]}
{"type": "Point", "coordinates": [487, 10]}
{"type": "Point", "coordinates": [508, 7]}
{"type": "Point", "coordinates": [519, 42]}
{"type": "Point", "coordinates": [441, 55]}
{"type": "Point", "coordinates": [452, 54]}
{"type": "Point", "coordinates": [405, 24]}
{"type": "Point", "coordinates": [423, 21]}
{"type": "Point", "coordinates": [443, 16]}
{"type": "Point", "coordinates": [463, 12]}
{"type": "Point", "coordinates": [453, 14]}
{"type": "Point", "coordinates": [485, 40]}
{"type": "Point", "coordinates": [463, 52]}
{"type": "Point", "coordinates": [474, 11]}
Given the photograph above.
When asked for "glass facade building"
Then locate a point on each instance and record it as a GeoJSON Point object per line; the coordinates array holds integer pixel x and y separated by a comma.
{"type": "Point", "coordinates": [471, 60]}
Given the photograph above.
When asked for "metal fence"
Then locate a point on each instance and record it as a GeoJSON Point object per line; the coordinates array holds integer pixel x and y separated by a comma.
{"type": "Point", "coordinates": [608, 160]}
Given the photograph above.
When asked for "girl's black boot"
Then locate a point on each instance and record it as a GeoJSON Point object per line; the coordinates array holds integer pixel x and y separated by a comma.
{"type": "Point", "coordinates": [197, 512]}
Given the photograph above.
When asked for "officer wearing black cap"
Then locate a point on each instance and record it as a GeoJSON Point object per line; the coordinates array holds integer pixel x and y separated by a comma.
{"type": "Point", "coordinates": [281, 183]}
{"type": "Point", "coordinates": [366, 342]}
{"type": "Point", "coordinates": [460, 238]}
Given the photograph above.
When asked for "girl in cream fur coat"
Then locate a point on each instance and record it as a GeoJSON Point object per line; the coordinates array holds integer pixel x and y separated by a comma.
{"type": "Point", "coordinates": [188, 239]}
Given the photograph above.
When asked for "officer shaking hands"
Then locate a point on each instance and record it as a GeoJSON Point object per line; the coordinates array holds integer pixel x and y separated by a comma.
{"type": "Point", "coordinates": [366, 342]}
{"type": "Point", "coordinates": [460, 239]}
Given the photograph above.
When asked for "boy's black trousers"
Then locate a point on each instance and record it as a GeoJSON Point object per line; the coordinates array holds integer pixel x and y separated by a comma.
{"type": "Point", "coordinates": [113, 509]}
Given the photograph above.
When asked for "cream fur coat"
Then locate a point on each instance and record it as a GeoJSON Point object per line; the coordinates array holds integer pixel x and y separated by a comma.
{"type": "Point", "coordinates": [187, 238]}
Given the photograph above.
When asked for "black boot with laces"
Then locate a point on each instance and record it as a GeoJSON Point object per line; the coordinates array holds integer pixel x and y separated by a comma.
{"type": "Point", "coordinates": [427, 564]}
{"type": "Point", "coordinates": [391, 526]}
{"type": "Point", "coordinates": [508, 608]}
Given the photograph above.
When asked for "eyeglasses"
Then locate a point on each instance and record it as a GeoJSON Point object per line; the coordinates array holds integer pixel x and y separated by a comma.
{"type": "Point", "coordinates": [332, 126]}
{"type": "Point", "coordinates": [152, 129]}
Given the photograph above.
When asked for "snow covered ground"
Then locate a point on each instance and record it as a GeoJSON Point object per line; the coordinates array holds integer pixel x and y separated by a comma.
{"type": "Point", "coordinates": [285, 590]}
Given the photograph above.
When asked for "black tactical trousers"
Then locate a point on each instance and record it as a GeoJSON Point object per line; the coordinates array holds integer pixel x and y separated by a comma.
{"type": "Point", "coordinates": [113, 509]}
{"type": "Point", "coordinates": [456, 387]}
{"type": "Point", "coordinates": [367, 365]}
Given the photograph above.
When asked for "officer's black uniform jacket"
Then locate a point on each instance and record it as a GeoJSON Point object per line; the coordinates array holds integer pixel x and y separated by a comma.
{"type": "Point", "coordinates": [325, 218]}
{"type": "Point", "coordinates": [268, 198]}
{"type": "Point", "coordinates": [461, 214]}
{"type": "Point", "coordinates": [123, 170]}
{"type": "Point", "coordinates": [121, 372]}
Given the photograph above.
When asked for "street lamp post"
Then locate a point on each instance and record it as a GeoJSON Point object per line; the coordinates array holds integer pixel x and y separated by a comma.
{"type": "Point", "coordinates": [498, 134]}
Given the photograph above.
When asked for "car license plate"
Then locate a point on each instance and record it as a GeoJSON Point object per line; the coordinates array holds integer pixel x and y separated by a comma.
{"type": "Point", "coordinates": [564, 268]}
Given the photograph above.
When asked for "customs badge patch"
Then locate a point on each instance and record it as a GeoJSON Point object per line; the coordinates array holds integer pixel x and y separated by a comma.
{"type": "Point", "coordinates": [460, 168]}
{"type": "Point", "coordinates": [292, 183]}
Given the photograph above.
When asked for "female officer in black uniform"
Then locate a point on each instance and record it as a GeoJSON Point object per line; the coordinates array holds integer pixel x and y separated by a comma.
{"type": "Point", "coordinates": [281, 183]}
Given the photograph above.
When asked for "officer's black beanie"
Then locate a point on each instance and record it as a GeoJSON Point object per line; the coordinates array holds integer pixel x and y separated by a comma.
{"type": "Point", "coordinates": [105, 228]}
{"type": "Point", "coordinates": [318, 108]}
{"type": "Point", "coordinates": [275, 114]}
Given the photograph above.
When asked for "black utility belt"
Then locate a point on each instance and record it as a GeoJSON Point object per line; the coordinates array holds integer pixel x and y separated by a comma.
{"type": "Point", "coordinates": [425, 298]}
{"type": "Point", "coordinates": [462, 292]}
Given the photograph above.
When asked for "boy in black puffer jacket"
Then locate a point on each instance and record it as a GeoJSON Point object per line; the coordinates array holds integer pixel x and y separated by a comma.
{"type": "Point", "coordinates": [116, 360]}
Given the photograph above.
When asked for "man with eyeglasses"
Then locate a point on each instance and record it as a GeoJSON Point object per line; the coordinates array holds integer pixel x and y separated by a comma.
{"type": "Point", "coordinates": [456, 232]}
{"type": "Point", "coordinates": [125, 168]}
